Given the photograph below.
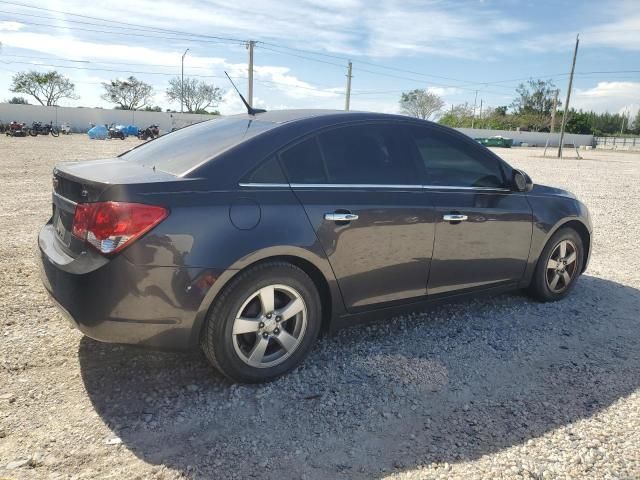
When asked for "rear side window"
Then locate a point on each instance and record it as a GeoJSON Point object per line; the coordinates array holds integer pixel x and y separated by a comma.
{"type": "Point", "coordinates": [268, 172]}
{"type": "Point", "coordinates": [368, 154]}
{"type": "Point", "coordinates": [450, 161]}
{"type": "Point", "coordinates": [303, 162]}
{"type": "Point", "coordinates": [180, 151]}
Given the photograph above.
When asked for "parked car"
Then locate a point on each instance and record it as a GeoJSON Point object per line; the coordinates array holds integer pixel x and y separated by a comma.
{"type": "Point", "coordinates": [248, 235]}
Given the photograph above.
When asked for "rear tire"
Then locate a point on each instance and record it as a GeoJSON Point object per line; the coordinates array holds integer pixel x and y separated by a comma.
{"type": "Point", "coordinates": [559, 266]}
{"type": "Point", "coordinates": [263, 324]}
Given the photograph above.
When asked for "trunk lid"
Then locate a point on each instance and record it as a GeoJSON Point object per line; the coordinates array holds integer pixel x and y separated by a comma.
{"type": "Point", "coordinates": [92, 181]}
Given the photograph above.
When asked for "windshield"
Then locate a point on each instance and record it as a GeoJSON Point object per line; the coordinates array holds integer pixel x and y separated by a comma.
{"type": "Point", "coordinates": [184, 149]}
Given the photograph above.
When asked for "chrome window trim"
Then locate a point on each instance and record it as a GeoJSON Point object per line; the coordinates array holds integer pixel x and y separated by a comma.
{"type": "Point", "coordinates": [372, 185]}
{"type": "Point", "coordinates": [354, 185]}
{"type": "Point", "coordinates": [265, 185]}
{"type": "Point", "coordinates": [453, 187]}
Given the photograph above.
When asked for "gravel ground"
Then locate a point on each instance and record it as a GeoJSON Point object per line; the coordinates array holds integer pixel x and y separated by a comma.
{"type": "Point", "coordinates": [498, 388]}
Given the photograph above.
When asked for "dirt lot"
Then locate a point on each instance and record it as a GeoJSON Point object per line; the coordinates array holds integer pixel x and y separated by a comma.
{"type": "Point", "coordinates": [500, 388]}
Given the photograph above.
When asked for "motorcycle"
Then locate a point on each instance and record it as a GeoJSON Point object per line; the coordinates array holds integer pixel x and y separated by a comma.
{"type": "Point", "coordinates": [16, 129]}
{"type": "Point", "coordinates": [115, 131]}
{"type": "Point", "coordinates": [65, 129]}
{"type": "Point", "coordinates": [151, 132]}
{"type": "Point", "coordinates": [37, 128]}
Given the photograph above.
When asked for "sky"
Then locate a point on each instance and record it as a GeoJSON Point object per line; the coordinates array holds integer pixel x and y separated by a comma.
{"type": "Point", "coordinates": [452, 48]}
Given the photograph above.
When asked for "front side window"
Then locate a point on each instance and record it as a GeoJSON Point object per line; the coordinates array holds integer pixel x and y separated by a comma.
{"type": "Point", "coordinates": [450, 161]}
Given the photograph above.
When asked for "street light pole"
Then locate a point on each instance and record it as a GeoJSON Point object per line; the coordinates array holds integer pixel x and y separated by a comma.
{"type": "Point", "coordinates": [182, 82]}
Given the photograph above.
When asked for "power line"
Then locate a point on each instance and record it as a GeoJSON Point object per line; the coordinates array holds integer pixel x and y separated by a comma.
{"type": "Point", "coordinates": [100, 62]}
{"type": "Point", "coordinates": [157, 29]}
{"type": "Point", "coordinates": [262, 47]}
{"type": "Point", "coordinates": [300, 87]}
{"type": "Point", "coordinates": [141, 35]}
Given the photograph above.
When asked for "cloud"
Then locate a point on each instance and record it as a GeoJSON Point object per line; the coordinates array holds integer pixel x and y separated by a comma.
{"type": "Point", "coordinates": [444, 91]}
{"type": "Point", "coordinates": [609, 96]}
{"type": "Point", "coordinates": [10, 26]}
{"type": "Point", "coordinates": [622, 32]}
{"type": "Point", "coordinates": [406, 28]}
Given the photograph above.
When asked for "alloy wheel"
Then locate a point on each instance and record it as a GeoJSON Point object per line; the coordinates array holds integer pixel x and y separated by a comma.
{"type": "Point", "coordinates": [562, 266]}
{"type": "Point", "coordinates": [269, 326]}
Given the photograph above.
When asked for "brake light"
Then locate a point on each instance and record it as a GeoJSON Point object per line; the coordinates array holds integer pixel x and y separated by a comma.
{"type": "Point", "coordinates": [110, 226]}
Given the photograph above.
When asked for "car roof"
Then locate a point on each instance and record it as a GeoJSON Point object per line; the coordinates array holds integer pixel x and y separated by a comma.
{"type": "Point", "coordinates": [286, 116]}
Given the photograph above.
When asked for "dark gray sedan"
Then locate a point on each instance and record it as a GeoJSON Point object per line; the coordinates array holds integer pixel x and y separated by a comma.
{"type": "Point", "coordinates": [248, 235]}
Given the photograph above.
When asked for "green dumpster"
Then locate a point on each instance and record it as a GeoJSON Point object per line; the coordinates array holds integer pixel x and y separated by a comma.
{"type": "Point", "coordinates": [496, 141]}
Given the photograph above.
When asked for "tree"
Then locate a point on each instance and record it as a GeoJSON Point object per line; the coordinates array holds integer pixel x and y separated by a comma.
{"type": "Point", "coordinates": [459, 116]}
{"type": "Point", "coordinates": [636, 124]}
{"type": "Point", "coordinates": [501, 111]}
{"type": "Point", "coordinates": [18, 101]}
{"type": "Point", "coordinates": [47, 88]}
{"type": "Point", "coordinates": [196, 95]}
{"type": "Point", "coordinates": [128, 94]}
{"type": "Point", "coordinates": [536, 96]}
{"type": "Point", "coordinates": [579, 122]}
{"type": "Point", "coordinates": [420, 103]}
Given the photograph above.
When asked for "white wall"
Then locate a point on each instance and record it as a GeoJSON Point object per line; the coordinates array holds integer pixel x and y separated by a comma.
{"type": "Point", "coordinates": [80, 118]}
{"type": "Point", "coordinates": [539, 139]}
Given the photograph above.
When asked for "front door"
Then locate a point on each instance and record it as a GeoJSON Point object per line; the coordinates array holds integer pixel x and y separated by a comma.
{"type": "Point", "coordinates": [361, 190]}
{"type": "Point", "coordinates": [483, 229]}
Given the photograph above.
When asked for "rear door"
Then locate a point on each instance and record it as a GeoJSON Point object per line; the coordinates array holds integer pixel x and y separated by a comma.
{"type": "Point", "coordinates": [362, 192]}
{"type": "Point", "coordinates": [483, 227]}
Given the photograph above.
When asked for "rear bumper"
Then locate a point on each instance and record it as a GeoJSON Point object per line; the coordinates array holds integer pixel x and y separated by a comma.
{"type": "Point", "coordinates": [115, 301]}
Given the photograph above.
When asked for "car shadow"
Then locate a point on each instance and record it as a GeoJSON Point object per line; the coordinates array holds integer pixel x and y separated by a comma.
{"type": "Point", "coordinates": [450, 384]}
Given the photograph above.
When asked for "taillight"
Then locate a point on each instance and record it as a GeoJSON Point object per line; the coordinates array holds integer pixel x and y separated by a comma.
{"type": "Point", "coordinates": [110, 226]}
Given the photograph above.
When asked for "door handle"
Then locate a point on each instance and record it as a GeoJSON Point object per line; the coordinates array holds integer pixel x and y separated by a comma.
{"type": "Point", "coordinates": [454, 217]}
{"type": "Point", "coordinates": [340, 217]}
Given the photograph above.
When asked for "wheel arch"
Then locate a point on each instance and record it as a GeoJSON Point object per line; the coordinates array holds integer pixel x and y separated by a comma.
{"type": "Point", "coordinates": [581, 229]}
{"type": "Point", "coordinates": [316, 268]}
{"type": "Point", "coordinates": [584, 233]}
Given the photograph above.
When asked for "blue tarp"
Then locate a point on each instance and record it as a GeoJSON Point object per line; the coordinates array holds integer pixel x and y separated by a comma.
{"type": "Point", "coordinates": [131, 130]}
{"type": "Point", "coordinates": [99, 132]}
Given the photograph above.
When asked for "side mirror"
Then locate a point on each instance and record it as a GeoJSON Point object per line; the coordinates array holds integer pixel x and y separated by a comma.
{"type": "Point", "coordinates": [521, 181]}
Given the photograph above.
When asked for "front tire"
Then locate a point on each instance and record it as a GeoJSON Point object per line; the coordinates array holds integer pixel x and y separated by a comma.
{"type": "Point", "coordinates": [263, 324]}
{"type": "Point", "coordinates": [559, 266]}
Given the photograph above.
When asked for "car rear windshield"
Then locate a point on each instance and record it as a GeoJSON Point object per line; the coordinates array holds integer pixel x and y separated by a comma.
{"type": "Point", "coordinates": [180, 151]}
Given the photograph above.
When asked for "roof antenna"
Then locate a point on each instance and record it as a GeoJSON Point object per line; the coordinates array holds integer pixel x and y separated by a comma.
{"type": "Point", "coordinates": [250, 109]}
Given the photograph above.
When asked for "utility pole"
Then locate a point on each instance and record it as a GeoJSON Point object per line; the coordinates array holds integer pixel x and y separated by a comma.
{"type": "Point", "coordinates": [473, 118]}
{"type": "Point", "coordinates": [553, 111]}
{"type": "Point", "coordinates": [553, 121]}
{"type": "Point", "coordinates": [182, 82]}
{"type": "Point", "coordinates": [480, 116]}
{"type": "Point", "coordinates": [624, 116]}
{"type": "Point", "coordinates": [250, 46]}
{"type": "Point", "coordinates": [566, 104]}
{"type": "Point", "coordinates": [347, 97]}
